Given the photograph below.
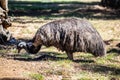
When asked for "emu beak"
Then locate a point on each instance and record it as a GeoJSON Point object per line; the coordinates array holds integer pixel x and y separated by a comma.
{"type": "Point", "coordinates": [19, 49]}
{"type": "Point", "coordinates": [20, 46]}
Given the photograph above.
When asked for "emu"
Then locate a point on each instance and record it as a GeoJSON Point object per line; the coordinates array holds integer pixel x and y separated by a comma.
{"type": "Point", "coordinates": [69, 35]}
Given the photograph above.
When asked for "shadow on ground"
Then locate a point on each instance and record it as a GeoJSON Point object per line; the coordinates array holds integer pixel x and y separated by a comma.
{"type": "Point", "coordinates": [43, 56]}
{"type": "Point", "coordinates": [9, 78]}
{"type": "Point", "coordinates": [89, 10]}
{"type": "Point", "coordinates": [114, 46]}
{"type": "Point", "coordinates": [102, 69]}
{"type": "Point", "coordinates": [114, 50]}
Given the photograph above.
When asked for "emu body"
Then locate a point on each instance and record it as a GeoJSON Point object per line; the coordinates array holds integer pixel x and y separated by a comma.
{"type": "Point", "coordinates": [70, 35]}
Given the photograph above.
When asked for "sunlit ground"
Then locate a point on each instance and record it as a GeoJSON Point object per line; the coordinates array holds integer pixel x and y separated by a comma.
{"type": "Point", "coordinates": [54, 64]}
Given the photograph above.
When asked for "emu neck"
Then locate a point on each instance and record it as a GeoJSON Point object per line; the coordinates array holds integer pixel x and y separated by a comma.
{"type": "Point", "coordinates": [36, 41]}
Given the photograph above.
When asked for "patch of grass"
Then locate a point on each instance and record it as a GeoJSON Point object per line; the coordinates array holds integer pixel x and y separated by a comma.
{"type": "Point", "coordinates": [103, 68]}
{"type": "Point", "coordinates": [13, 50]}
{"type": "Point", "coordinates": [83, 55]}
{"type": "Point", "coordinates": [86, 75]}
{"type": "Point", "coordinates": [103, 60]}
{"type": "Point", "coordinates": [26, 32]}
{"type": "Point", "coordinates": [53, 52]}
{"type": "Point", "coordinates": [65, 68]}
{"type": "Point", "coordinates": [3, 51]}
{"type": "Point", "coordinates": [36, 76]}
{"type": "Point", "coordinates": [109, 59]}
{"type": "Point", "coordinates": [108, 29]}
{"type": "Point", "coordinates": [61, 68]}
{"type": "Point", "coordinates": [27, 56]}
{"type": "Point", "coordinates": [64, 63]}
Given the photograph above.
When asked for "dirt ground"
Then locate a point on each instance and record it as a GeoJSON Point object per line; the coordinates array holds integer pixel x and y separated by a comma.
{"type": "Point", "coordinates": [15, 66]}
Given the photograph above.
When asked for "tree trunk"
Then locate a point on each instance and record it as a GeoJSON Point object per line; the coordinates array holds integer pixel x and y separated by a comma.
{"type": "Point", "coordinates": [4, 21]}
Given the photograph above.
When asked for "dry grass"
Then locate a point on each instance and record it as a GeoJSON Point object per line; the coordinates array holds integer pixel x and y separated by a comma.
{"type": "Point", "coordinates": [51, 64]}
{"type": "Point", "coordinates": [85, 68]}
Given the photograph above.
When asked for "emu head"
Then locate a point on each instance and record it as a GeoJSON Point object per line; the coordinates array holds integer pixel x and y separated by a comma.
{"type": "Point", "coordinates": [29, 47]}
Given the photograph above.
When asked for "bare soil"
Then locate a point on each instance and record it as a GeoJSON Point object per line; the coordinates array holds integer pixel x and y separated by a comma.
{"type": "Point", "coordinates": [15, 66]}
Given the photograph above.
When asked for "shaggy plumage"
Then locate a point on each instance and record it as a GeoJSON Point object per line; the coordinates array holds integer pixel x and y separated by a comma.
{"type": "Point", "coordinates": [70, 35]}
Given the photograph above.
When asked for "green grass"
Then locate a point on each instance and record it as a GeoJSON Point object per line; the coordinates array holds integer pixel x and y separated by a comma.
{"type": "Point", "coordinates": [2, 51]}
{"type": "Point", "coordinates": [87, 67]}
{"type": "Point", "coordinates": [102, 69]}
{"type": "Point", "coordinates": [89, 76]}
{"type": "Point", "coordinates": [36, 76]}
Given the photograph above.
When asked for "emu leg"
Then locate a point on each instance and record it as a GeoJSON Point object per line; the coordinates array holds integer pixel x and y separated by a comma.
{"type": "Point", "coordinates": [70, 56]}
